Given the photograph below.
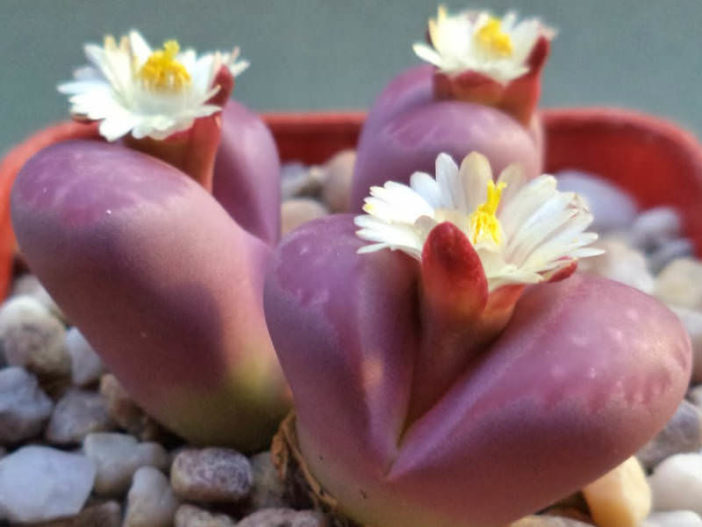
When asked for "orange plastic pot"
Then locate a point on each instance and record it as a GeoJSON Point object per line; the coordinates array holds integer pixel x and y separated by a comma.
{"type": "Point", "coordinates": [655, 161]}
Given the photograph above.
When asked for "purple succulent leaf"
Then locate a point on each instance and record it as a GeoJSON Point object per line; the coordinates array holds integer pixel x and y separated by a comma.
{"type": "Point", "coordinates": [160, 280]}
{"type": "Point", "coordinates": [584, 374]}
{"type": "Point", "coordinates": [247, 173]}
{"type": "Point", "coordinates": [345, 337]}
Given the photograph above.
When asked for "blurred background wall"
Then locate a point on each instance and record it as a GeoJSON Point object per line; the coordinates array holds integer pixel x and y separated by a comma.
{"type": "Point", "coordinates": [337, 54]}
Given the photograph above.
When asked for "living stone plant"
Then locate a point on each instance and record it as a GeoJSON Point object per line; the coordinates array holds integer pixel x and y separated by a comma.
{"type": "Point", "coordinates": [447, 368]}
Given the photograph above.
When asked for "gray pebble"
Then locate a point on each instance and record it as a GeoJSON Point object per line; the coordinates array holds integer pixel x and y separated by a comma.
{"type": "Point", "coordinates": [211, 475]}
{"type": "Point", "coordinates": [669, 251]}
{"type": "Point", "coordinates": [337, 175]}
{"type": "Point", "coordinates": [283, 518]}
{"type": "Point", "coordinates": [75, 415]}
{"type": "Point", "coordinates": [86, 365]}
{"type": "Point", "coordinates": [297, 179]}
{"type": "Point", "coordinates": [296, 211]}
{"type": "Point", "coordinates": [654, 227]}
{"type": "Point", "coordinates": [117, 457]}
{"type": "Point", "coordinates": [150, 502]}
{"type": "Point", "coordinates": [613, 209]}
{"type": "Point", "coordinates": [24, 407]}
{"type": "Point", "coordinates": [33, 338]}
{"type": "Point", "coordinates": [682, 433]}
{"type": "Point", "coordinates": [39, 483]}
{"type": "Point", "coordinates": [191, 516]}
{"type": "Point", "coordinates": [268, 490]}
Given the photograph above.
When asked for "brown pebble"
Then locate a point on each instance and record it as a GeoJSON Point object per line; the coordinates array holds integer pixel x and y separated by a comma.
{"type": "Point", "coordinates": [337, 177]}
{"type": "Point", "coordinates": [211, 475]}
{"type": "Point", "coordinates": [125, 412]}
{"type": "Point", "coordinates": [294, 212]}
{"type": "Point", "coordinates": [107, 514]}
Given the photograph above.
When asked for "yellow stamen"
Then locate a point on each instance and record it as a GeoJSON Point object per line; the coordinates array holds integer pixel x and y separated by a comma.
{"type": "Point", "coordinates": [162, 72]}
{"type": "Point", "coordinates": [483, 221]}
{"type": "Point", "coordinates": [493, 40]}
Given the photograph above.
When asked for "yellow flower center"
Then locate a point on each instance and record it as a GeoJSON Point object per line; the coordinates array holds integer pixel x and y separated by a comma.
{"type": "Point", "coordinates": [493, 40]}
{"type": "Point", "coordinates": [162, 72]}
{"type": "Point", "coordinates": [483, 221]}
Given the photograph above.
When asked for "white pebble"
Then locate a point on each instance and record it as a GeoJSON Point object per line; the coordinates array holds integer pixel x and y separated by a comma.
{"type": "Point", "coordinates": [620, 262]}
{"type": "Point", "coordinates": [620, 498]}
{"type": "Point", "coordinates": [680, 283]}
{"type": "Point", "coordinates": [653, 227]}
{"type": "Point", "coordinates": [32, 337]}
{"type": "Point", "coordinates": [86, 366]}
{"type": "Point", "coordinates": [24, 407]}
{"type": "Point", "coordinates": [673, 519]}
{"type": "Point", "coordinates": [676, 483]}
{"type": "Point", "coordinates": [150, 502]}
{"type": "Point", "coordinates": [117, 457]}
{"type": "Point", "coordinates": [669, 251]}
{"type": "Point", "coordinates": [612, 208]}
{"type": "Point", "coordinates": [30, 285]}
{"type": "Point", "coordinates": [39, 483]}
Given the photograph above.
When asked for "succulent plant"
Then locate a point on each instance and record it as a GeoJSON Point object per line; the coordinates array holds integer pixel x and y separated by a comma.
{"type": "Point", "coordinates": [478, 94]}
{"type": "Point", "coordinates": [445, 383]}
{"type": "Point", "coordinates": [159, 263]}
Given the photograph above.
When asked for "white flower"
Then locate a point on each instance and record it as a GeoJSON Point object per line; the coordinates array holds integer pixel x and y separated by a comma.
{"type": "Point", "coordinates": [523, 231]}
{"type": "Point", "coordinates": [477, 41]}
{"type": "Point", "coordinates": [132, 88]}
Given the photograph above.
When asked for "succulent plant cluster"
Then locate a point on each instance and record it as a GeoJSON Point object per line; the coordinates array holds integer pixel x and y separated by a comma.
{"type": "Point", "coordinates": [437, 377]}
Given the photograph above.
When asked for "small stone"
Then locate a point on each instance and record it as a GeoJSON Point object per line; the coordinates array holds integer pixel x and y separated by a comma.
{"type": "Point", "coordinates": [150, 502]}
{"type": "Point", "coordinates": [620, 262]}
{"type": "Point", "coordinates": [211, 475]}
{"type": "Point", "coordinates": [117, 457]}
{"type": "Point", "coordinates": [86, 365]}
{"type": "Point", "coordinates": [669, 251]}
{"type": "Point", "coordinates": [283, 518]}
{"type": "Point", "coordinates": [23, 406]}
{"type": "Point", "coordinates": [268, 490]}
{"type": "Point", "coordinates": [297, 179]}
{"type": "Point", "coordinates": [125, 412]}
{"type": "Point", "coordinates": [653, 227]}
{"type": "Point", "coordinates": [548, 521]}
{"type": "Point", "coordinates": [337, 174]}
{"type": "Point", "coordinates": [296, 211]}
{"type": "Point", "coordinates": [77, 414]}
{"type": "Point", "coordinates": [676, 483]}
{"type": "Point", "coordinates": [39, 483]}
{"type": "Point", "coordinates": [30, 285]}
{"type": "Point", "coordinates": [33, 338]}
{"type": "Point", "coordinates": [190, 516]}
{"type": "Point", "coordinates": [682, 433]}
{"type": "Point", "coordinates": [680, 284]}
{"type": "Point", "coordinates": [692, 320]}
{"type": "Point", "coordinates": [108, 514]}
{"type": "Point", "coordinates": [673, 519]}
{"type": "Point", "coordinates": [613, 208]}
{"type": "Point", "coordinates": [620, 498]}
